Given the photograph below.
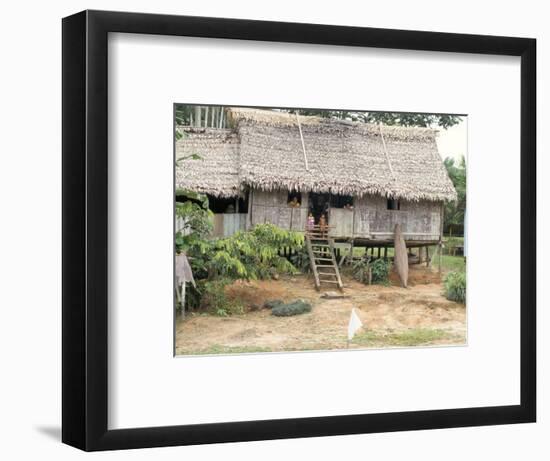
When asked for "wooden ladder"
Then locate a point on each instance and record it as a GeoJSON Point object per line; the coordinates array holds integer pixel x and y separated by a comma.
{"type": "Point", "coordinates": [323, 262]}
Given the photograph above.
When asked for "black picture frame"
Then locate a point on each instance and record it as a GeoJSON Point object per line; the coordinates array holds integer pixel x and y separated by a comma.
{"type": "Point", "coordinates": [85, 219]}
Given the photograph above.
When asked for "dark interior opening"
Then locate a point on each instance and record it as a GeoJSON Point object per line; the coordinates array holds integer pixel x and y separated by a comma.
{"type": "Point", "coordinates": [319, 205]}
{"type": "Point", "coordinates": [294, 199]}
{"type": "Point", "coordinates": [341, 201]}
{"type": "Point", "coordinates": [228, 204]}
{"type": "Point", "coordinates": [393, 204]}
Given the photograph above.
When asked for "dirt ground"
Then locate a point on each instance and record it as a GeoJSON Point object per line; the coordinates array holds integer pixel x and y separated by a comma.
{"type": "Point", "coordinates": [392, 316]}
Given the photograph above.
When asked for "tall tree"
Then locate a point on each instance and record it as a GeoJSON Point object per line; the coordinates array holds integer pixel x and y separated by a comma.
{"type": "Point", "coordinates": [455, 211]}
{"type": "Point", "coordinates": [387, 118]}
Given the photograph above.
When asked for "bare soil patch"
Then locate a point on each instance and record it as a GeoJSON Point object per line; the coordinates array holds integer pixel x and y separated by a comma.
{"type": "Point", "coordinates": [392, 316]}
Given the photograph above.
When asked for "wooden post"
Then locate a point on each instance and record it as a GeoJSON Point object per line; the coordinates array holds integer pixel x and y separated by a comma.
{"type": "Point", "coordinates": [249, 217]}
{"type": "Point", "coordinates": [442, 216]}
{"type": "Point", "coordinates": [350, 261]}
{"type": "Point", "coordinates": [183, 300]}
{"type": "Point", "coordinates": [440, 248]}
{"type": "Point", "coordinates": [385, 253]}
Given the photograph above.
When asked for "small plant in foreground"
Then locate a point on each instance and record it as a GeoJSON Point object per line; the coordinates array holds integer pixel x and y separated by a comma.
{"type": "Point", "coordinates": [379, 269]}
{"type": "Point", "coordinates": [455, 286]}
{"type": "Point", "coordinates": [216, 302]}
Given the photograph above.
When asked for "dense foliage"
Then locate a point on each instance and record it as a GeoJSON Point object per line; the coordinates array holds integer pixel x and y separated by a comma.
{"type": "Point", "coordinates": [387, 118]}
{"type": "Point", "coordinates": [215, 263]}
{"type": "Point", "coordinates": [380, 271]}
{"type": "Point", "coordinates": [300, 260]}
{"type": "Point", "coordinates": [378, 268]}
{"type": "Point", "coordinates": [455, 211]}
{"type": "Point", "coordinates": [455, 286]}
{"type": "Point", "coordinates": [192, 210]}
{"type": "Point", "coordinates": [213, 116]}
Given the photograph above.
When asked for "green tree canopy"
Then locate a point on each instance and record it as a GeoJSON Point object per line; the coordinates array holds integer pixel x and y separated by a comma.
{"type": "Point", "coordinates": [454, 211]}
{"type": "Point", "coordinates": [213, 116]}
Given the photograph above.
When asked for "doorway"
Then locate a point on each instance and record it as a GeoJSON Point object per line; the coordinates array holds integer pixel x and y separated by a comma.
{"type": "Point", "coordinates": [319, 204]}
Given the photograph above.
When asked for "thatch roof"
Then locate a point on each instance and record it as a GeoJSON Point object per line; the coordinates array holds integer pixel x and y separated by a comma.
{"type": "Point", "coordinates": [216, 172]}
{"type": "Point", "coordinates": [265, 151]}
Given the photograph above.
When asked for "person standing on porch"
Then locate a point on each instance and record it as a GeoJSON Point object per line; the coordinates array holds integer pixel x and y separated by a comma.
{"type": "Point", "coordinates": [323, 225]}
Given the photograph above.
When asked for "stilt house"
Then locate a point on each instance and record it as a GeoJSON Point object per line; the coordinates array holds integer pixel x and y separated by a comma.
{"type": "Point", "coordinates": [277, 167]}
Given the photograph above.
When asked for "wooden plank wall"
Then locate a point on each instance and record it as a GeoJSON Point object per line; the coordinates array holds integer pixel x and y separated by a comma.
{"type": "Point", "coordinates": [272, 207]}
{"type": "Point", "coordinates": [341, 222]}
{"type": "Point", "coordinates": [226, 224]}
{"type": "Point", "coordinates": [418, 220]}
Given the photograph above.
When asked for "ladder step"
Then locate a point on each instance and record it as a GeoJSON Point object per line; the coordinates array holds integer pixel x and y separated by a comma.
{"type": "Point", "coordinates": [325, 265]}
{"type": "Point", "coordinates": [330, 281]}
{"type": "Point", "coordinates": [323, 259]}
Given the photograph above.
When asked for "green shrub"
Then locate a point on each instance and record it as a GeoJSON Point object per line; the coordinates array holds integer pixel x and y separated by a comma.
{"type": "Point", "coordinates": [380, 269]}
{"type": "Point", "coordinates": [455, 286]}
{"type": "Point", "coordinates": [300, 260]}
{"type": "Point", "coordinates": [294, 308]}
{"type": "Point", "coordinates": [215, 301]}
{"type": "Point", "coordinates": [272, 303]}
{"type": "Point", "coordinates": [361, 270]}
{"type": "Point", "coordinates": [253, 254]}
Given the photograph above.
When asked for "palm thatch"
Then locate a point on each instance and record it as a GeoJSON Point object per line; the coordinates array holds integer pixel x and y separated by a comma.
{"type": "Point", "coordinates": [216, 171]}
{"type": "Point", "coordinates": [340, 157]}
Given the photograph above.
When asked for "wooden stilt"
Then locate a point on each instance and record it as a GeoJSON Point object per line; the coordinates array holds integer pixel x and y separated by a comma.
{"type": "Point", "coordinates": [401, 256]}
{"type": "Point", "coordinates": [440, 248]}
{"type": "Point", "coordinates": [183, 300]}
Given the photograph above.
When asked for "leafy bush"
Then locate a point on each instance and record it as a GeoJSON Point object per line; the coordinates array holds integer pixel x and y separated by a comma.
{"type": "Point", "coordinates": [455, 286]}
{"type": "Point", "coordinates": [294, 308]}
{"type": "Point", "coordinates": [248, 255]}
{"type": "Point", "coordinates": [215, 300]}
{"type": "Point", "coordinates": [300, 260]}
{"type": "Point", "coordinates": [380, 269]}
{"type": "Point", "coordinates": [253, 254]}
{"type": "Point", "coordinates": [192, 208]}
{"type": "Point", "coordinates": [361, 270]}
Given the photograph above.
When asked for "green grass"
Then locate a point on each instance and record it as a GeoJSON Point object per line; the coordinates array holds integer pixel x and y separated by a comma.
{"type": "Point", "coordinates": [453, 241]}
{"type": "Point", "coordinates": [219, 349]}
{"type": "Point", "coordinates": [413, 337]}
{"type": "Point", "coordinates": [448, 263]}
{"type": "Point", "coordinates": [451, 263]}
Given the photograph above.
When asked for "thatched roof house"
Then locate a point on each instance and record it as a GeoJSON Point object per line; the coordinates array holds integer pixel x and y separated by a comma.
{"type": "Point", "coordinates": [265, 151]}
{"type": "Point", "coordinates": [273, 153]}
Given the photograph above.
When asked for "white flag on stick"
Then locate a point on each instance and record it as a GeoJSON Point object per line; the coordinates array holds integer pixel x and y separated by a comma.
{"type": "Point", "coordinates": [354, 324]}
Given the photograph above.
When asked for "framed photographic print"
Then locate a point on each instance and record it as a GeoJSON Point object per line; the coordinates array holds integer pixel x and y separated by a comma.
{"type": "Point", "coordinates": [278, 230]}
